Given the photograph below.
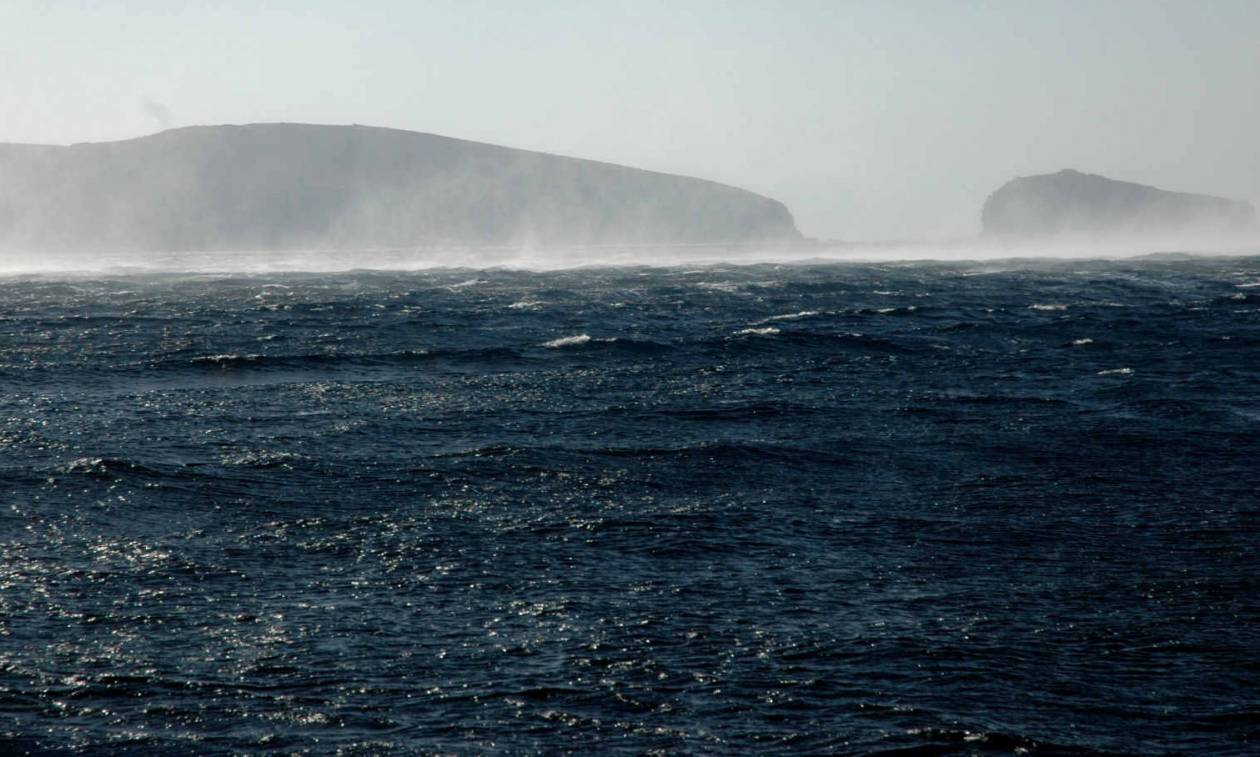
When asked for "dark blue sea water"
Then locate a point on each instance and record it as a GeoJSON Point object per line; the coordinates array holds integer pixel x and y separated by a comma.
{"type": "Point", "coordinates": [919, 508]}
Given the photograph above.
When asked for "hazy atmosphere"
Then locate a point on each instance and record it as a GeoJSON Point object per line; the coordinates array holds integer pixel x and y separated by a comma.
{"type": "Point", "coordinates": [630, 378]}
{"type": "Point", "coordinates": [868, 120]}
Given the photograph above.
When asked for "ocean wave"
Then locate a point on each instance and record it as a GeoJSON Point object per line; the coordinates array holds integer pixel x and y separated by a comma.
{"type": "Point", "coordinates": [254, 361]}
{"type": "Point", "coordinates": [706, 452]}
{"type": "Point", "coordinates": [961, 741]}
{"type": "Point", "coordinates": [1249, 296]}
{"type": "Point", "coordinates": [772, 339]}
{"type": "Point", "coordinates": [733, 412]}
{"type": "Point", "coordinates": [263, 459]}
{"type": "Point", "coordinates": [107, 467]}
{"type": "Point", "coordinates": [526, 305]}
{"type": "Point", "coordinates": [729, 451]}
{"type": "Point", "coordinates": [789, 316]}
{"type": "Point", "coordinates": [891, 310]}
{"type": "Point", "coordinates": [582, 343]}
{"type": "Point", "coordinates": [567, 341]}
{"type": "Point", "coordinates": [225, 359]}
{"type": "Point", "coordinates": [727, 287]}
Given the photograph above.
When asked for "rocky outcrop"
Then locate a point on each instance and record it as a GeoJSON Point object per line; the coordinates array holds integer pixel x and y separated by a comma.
{"type": "Point", "coordinates": [294, 186]}
{"type": "Point", "coordinates": [1074, 204]}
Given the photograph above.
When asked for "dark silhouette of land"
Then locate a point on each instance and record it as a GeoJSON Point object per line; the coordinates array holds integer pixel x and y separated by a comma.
{"type": "Point", "coordinates": [1074, 204]}
{"type": "Point", "coordinates": [294, 186]}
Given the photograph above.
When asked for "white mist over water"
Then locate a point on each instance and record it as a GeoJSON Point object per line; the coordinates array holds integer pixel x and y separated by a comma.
{"type": "Point", "coordinates": [545, 259]}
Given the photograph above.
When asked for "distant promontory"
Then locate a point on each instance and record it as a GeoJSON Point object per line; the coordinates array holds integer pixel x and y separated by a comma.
{"type": "Point", "coordinates": [1074, 204]}
{"type": "Point", "coordinates": [294, 186]}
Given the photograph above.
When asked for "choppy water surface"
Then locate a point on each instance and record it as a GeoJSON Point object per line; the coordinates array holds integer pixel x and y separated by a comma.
{"type": "Point", "coordinates": [971, 508]}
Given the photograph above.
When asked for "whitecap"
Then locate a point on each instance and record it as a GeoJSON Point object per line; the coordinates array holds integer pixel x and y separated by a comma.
{"type": "Point", "coordinates": [765, 331]}
{"type": "Point", "coordinates": [568, 341]}
{"type": "Point", "coordinates": [1047, 306]}
{"type": "Point", "coordinates": [261, 459]}
{"type": "Point", "coordinates": [719, 286]}
{"type": "Point", "coordinates": [790, 316]}
{"type": "Point", "coordinates": [1116, 372]}
{"type": "Point", "coordinates": [1083, 340]}
{"type": "Point", "coordinates": [526, 305]}
{"type": "Point", "coordinates": [224, 358]}
{"type": "Point", "coordinates": [85, 465]}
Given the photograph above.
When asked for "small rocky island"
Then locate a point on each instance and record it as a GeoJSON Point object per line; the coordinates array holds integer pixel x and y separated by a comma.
{"type": "Point", "coordinates": [1074, 204]}
{"type": "Point", "coordinates": [298, 186]}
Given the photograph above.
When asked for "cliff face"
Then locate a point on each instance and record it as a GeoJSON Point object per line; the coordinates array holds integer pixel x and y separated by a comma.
{"type": "Point", "coordinates": [1070, 203]}
{"type": "Point", "coordinates": [290, 186]}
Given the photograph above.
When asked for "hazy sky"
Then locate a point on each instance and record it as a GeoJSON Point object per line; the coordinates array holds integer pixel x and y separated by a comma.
{"type": "Point", "coordinates": [869, 119]}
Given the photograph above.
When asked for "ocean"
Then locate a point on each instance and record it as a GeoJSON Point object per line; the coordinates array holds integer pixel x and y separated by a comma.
{"type": "Point", "coordinates": [912, 508]}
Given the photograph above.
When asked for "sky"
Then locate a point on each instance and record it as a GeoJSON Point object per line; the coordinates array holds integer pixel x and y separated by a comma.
{"type": "Point", "coordinates": [870, 120]}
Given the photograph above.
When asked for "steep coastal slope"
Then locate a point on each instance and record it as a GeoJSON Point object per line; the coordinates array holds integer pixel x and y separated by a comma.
{"type": "Point", "coordinates": [1070, 203]}
{"type": "Point", "coordinates": [291, 186]}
